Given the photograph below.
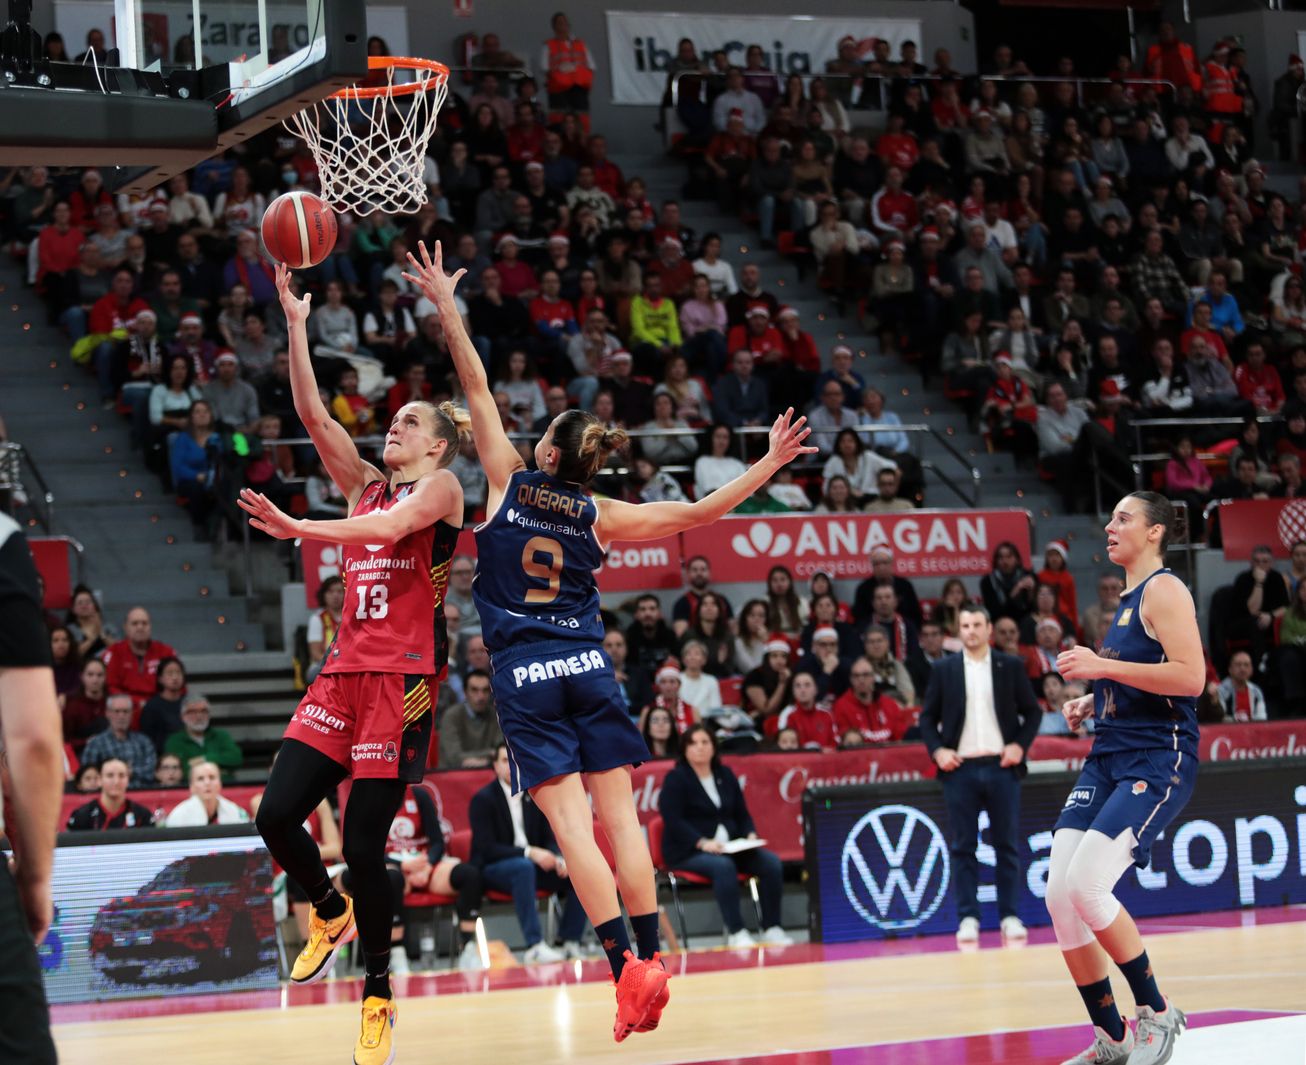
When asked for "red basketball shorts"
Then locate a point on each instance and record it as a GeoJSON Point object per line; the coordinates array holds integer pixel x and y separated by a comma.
{"type": "Point", "coordinates": [376, 725]}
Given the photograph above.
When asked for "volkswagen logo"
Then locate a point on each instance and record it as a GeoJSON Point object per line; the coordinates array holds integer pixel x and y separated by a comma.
{"type": "Point", "coordinates": [895, 868]}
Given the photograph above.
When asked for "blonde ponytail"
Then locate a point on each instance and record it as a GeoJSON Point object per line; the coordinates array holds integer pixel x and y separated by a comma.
{"type": "Point", "coordinates": [449, 423]}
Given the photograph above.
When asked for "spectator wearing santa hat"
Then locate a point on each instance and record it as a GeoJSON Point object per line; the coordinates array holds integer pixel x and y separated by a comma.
{"type": "Point", "coordinates": [802, 360]}
{"type": "Point", "coordinates": [893, 283]}
{"type": "Point", "coordinates": [767, 689]}
{"type": "Point", "coordinates": [667, 682]}
{"type": "Point", "coordinates": [738, 99]}
{"type": "Point", "coordinates": [1056, 556]}
{"type": "Point", "coordinates": [676, 271]}
{"type": "Point", "coordinates": [730, 156]}
{"type": "Point", "coordinates": [823, 663]}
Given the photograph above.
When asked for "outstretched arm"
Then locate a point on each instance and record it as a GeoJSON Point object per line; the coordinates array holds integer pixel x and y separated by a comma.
{"type": "Point", "coordinates": [650, 521]}
{"type": "Point", "coordinates": [436, 498]}
{"type": "Point", "coordinates": [337, 449]}
{"type": "Point", "coordinates": [498, 457]}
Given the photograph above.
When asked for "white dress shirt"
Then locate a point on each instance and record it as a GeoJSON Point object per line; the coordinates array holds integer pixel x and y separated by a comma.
{"type": "Point", "coordinates": [980, 734]}
{"type": "Point", "coordinates": [518, 825]}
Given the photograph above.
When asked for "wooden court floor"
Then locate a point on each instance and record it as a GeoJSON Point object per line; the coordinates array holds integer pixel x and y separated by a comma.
{"type": "Point", "coordinates": [759, 1008]}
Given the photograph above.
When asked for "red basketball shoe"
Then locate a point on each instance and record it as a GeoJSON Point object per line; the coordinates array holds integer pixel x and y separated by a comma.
{"type": "Point", "coordinates": [640, 985]}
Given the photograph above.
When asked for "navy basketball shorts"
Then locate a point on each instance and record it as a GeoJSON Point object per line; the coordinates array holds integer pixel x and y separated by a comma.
{"type": "Point", "coordinates": [561, 712]}
{"type": "Point", "coordinates": [1138, 790]}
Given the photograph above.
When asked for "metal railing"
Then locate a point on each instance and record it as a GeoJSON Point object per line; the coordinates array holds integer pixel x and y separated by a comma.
{"type": "Point", "coordinates": [965, 483]}
{"type": "Point", "coordinates": [16, 489]}
{"type": "Point", "coordinates": [870, 92]}
{"type": "Point", "coordinates": [1139, 456]}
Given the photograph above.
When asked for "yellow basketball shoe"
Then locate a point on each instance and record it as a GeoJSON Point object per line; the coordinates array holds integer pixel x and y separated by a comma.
{"type": "Point", "coordinates": [325, 938]}
{"type": "Point", "coordinates": [376, 1037]}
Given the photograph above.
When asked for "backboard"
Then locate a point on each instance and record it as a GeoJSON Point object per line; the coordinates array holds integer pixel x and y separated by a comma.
{"type": "Point", "coordinates": [150, 88]}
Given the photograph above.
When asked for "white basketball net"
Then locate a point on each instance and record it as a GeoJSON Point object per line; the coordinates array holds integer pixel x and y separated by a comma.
{"type": "Point", "coordinates": [371, 151]}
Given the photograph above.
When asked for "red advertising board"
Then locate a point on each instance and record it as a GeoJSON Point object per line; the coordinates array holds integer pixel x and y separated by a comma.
{"type": "Point", "coordinates": [1277, 523]}
{"type": "Point", "coordinates": [925, 543]}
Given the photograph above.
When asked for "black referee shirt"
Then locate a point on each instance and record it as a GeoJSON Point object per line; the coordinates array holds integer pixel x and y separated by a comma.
{"type": "Point", "coordinates": [24, 639]}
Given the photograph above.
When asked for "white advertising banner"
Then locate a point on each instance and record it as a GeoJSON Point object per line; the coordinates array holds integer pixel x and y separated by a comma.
{"type": "Point", "coordinates": [642, 43]}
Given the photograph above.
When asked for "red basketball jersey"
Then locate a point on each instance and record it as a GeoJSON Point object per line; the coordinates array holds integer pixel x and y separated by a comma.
{"type": "Point", "coordinates": [393, 621]}
{"type": "Point", "coordinates": [406, 831]}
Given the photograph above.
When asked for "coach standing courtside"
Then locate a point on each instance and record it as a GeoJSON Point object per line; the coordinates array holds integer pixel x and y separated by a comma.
{"type": "Point", "coordinates": [978, 721]}
{"type": "Point", "coordinates": [29, 728]}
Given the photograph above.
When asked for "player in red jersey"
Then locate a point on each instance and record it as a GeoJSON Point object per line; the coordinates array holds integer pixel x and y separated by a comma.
{"type": "Point", "coordinates": [369, 713]}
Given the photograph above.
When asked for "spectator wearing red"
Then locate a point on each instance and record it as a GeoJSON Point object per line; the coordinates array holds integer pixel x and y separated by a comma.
{"type": "Point", "coordinates": [860, 710]}
{"type": "Point", "coordinates": [1258, 382]}
{"type": "Point", "coordinates": [1054, 573]}
{"type": "Point", "coordinates": [798, 344]}
{"type": "Point", "coordinates": [83, 707]}
{"type": "Point", "coordinates": [413, 387]}
{"type": "Point", "coordinates": [518, 280]}
{"type": "Point", "coordinates": [896, 146]}
{"type": "Point", "coordinates": [89, 195]}
{"type": "Point", "coordinates": [111, 314]}
{"type": "Point", "coordinates": [1219, 89]}
{"type": "Point", "coordinates": [1171, 60]}
{"type": "Point", "coordinates": [554, 317]}
{"type": "Point", "coordinates": [607, 175]}
{"type": "Point", "coordinates": [810, 719]}
{"type": "Point", "coordinates": [1201, 327]}
{"type": "Point", "coordinates": [525, 136]}
{"type": "Point", "coordinates": [569, 68]}
{"type": "Point", "coordinates": [133, 663]}
{"type": "Point", "coordinates": [1041, 656]}
{"type": "Point", "coordinates": [58, 245]}
{"type": "Point", "coordinates": [893, 209]}
{"type": "Point", "coordinates": [667, 681]}
{"type": "Point", "coordinates": [758, 336]}
{"type": "Point", "coordinates": [676, 271]}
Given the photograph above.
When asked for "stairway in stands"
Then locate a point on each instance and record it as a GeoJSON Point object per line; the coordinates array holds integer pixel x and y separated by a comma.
{"type": "Point", "coordinates": [1002, 483]}
{"type": "Point", "coordinates": [138, 543]}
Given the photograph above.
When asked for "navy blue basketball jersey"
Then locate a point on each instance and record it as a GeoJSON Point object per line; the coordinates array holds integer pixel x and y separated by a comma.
{"type": "Point", "coordinates": [1128, 719]}
{"type": "Point", "coordinates": [537, 557]}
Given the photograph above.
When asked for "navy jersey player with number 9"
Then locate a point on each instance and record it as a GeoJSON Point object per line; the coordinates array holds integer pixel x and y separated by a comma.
{"type": "Point", "coordinates": [559, 706]}
{"type": "Point", "coordinates": [1137, 778]}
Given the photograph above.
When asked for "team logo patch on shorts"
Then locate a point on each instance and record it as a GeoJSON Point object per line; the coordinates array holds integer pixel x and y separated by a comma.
{"type": "Point", "coordinates": [391, 752]}
{"type": "Point", "coordinates": [1139, 787]}
{"type": "Point", "coordinates": [1080, 797]}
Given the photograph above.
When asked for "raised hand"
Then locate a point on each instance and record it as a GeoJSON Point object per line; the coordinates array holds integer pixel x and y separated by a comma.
{"type": "Point", "coordinates": [787, 439]}
{"type": "Point", "coordinates": [266, 517]}
{"type": "Point", "coordinates": [296, 308]}
{"type": "Point", "coordinates": [429, 275]}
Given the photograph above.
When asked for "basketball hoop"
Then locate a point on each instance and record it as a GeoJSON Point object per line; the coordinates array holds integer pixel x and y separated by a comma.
{"type": "Point", "coordinates": [370, 152]}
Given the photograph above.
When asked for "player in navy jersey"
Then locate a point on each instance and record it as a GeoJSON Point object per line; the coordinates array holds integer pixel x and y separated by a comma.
{"type": "Point", "coordinates": [1138, 777]}
{"type": "Point", "coordinates": [369, 713]}
{"type": "Point", "coordinates": [561, 711]}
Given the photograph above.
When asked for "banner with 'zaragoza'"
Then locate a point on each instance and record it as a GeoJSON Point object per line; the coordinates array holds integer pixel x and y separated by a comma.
{"type": "Point", "coordinates": [642, 43]}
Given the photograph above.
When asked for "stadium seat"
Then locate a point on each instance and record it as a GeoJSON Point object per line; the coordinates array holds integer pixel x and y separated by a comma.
{"type": "Point", "coordinates": [676, 876]}
{"type": "Point", "coordinates": [460, 847]}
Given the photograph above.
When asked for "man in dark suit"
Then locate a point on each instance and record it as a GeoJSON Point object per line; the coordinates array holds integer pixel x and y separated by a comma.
{"type": "Point", "coordinates": [978, 721]}
{"type": "Point", "coordinates": [741, 397]}
{"type": "Point", "coordinates": [514, 848]}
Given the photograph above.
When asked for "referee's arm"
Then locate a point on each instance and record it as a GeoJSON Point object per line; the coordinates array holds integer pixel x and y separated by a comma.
{"type": "Point", "coordinates": [30, 728]}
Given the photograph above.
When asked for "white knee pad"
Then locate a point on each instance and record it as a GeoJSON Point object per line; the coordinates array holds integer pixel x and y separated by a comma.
{"type": "Point", "coordinates": [1097, 864]}
{"type": "Point", "coordinates": [1070, 929]}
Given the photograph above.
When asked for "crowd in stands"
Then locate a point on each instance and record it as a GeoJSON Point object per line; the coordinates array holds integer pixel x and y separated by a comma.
{"type": "Point", "coordinates": [1069, 259]}
{"type": "Point", "coordinates": [1067, 267]}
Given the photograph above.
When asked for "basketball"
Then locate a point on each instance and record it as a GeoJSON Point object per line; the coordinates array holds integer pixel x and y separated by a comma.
{"type": "Point", "coordinates": [299, 230]}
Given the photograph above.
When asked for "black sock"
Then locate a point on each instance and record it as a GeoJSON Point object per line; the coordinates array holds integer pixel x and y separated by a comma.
{"type": "Point", "coordinates": [1142, 983]}
{"type": "Point", "coordinates": [646, 933]}
{"type": "Point", "coordinates": [327, 901]}
{"type": "Point", "coordinates": [1101, 1006]}
{"type": "Point", "coordinates": [376, 984]}
{"type": "Point", "coordinates": [616, 941]}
